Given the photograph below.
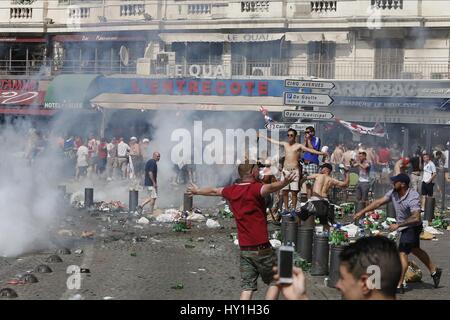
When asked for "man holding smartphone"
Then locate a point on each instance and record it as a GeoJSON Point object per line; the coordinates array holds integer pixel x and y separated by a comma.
{"type": "Point", "coordinates": [247, 203]}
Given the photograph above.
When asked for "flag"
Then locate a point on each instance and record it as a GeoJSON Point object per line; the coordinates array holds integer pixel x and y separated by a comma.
{"type": "Point", "coordinates": [377, 130]}
{"type": "Point", "coordinates": [267, 119]}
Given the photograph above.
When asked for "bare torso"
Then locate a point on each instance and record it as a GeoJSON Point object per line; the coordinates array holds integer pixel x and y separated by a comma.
{"type": "Point", "coordinates": [336, 157]}
{"type": "Point", "coordinates": [322, 185]}
{"type": "Point", "coordinates": [346, 157]}
{"type": "Point", "coordinates": [292, 155]}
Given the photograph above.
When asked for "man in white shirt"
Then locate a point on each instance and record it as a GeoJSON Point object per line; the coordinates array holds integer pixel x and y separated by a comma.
{"type": "Point", "coordinates": [111, 160]}
{"type": "Point", "coordinates": [123, 150]}
{"type": "Point", "coordinates": [82, 161]}
{"type": "Point", "coordinates": [429, 174]}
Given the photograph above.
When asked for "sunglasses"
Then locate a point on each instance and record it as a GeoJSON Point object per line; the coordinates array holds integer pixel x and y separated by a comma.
{"type": "Point", "coordinates": [291, 135]}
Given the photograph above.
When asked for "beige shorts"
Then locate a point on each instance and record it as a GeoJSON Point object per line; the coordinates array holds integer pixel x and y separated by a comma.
{"type": "Point", "coordinates": [293, 186]}
{"type": "Point", "coordinates": [151, 192]}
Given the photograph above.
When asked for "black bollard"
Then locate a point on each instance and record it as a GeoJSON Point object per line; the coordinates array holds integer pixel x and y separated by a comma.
{"type": "Point", "coordinates": [305, 242]}
{"type": "Point", "coordinates": [320, 255]}
{"type": "Point", "coordinates": [390, 210]}
{"type": "Point", "coordinates": [430, 204]}
{"type": "Point", "coordinates": [335, 261]}
{"type": "Point", "coordinates": [284, 222]}
{"type": "Point", "coordinates": [291, 233]}
{"type": "Point", "coordinates": [88, 197]}
{"type": "Point", "coordinates": [303, 197]}
{"type": "Point", "coordinates": [133, 200]}
{"type": "Point", "coordinates": [187, 202]}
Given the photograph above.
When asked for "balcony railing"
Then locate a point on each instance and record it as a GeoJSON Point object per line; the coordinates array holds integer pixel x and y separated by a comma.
{"type": "Point", "coordinates": [21, 13]}
{"type": "Point", "coordinates": [356, 70]}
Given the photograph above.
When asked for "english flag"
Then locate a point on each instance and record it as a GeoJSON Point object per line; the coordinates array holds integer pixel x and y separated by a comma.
{"type": "Point", "coordinates": [377, 130]}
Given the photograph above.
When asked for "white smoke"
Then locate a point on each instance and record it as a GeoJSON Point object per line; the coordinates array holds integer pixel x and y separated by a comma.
{"type": "Point", "coordinates": [28, 194]}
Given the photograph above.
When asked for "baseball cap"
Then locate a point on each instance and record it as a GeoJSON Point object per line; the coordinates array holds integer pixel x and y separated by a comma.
{"type": "Point", "coordinates": [133, 138]}
{"type": "Point", "coordinates": [402, 177]}
{"type": "Point", "coordinates": [145, 140]}
{"type": "Point", "coordinates": [327, 165]}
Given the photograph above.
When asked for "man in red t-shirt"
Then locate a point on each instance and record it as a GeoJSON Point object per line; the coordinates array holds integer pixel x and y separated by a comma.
{"type": "Point", "coordinates": [246, 199]}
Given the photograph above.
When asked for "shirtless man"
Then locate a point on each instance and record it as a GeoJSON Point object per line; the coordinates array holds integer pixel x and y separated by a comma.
{"type": "Point", "coordinates": [292, 155]}
{"type": "Point", "coordinates": [337, 155]}
{"type": "Point", "coordinates": [348, 156]}
{"type": "Point", "coordinates": [317, 205]}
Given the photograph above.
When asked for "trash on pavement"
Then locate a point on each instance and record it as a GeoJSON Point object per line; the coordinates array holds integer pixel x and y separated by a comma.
{"type": "Point", "coordinates": [413, 273]}
{"type": "Point", "coordinates": [426, 236]}
{"type": "Point", "coordinates": [275, 243]}
{"type": "Point", "coordinates": [65, 232]}
{"type": "Point", "coordinates": [143, 220]}
{"type": "Point", "coordinates": [54, 259]}
{"type": "Point", "coordinates": [196, 217]}
{"type": "Point", "coordinates": [87, 234]}
{"type": "Point", "coordinates": [432, 230]}
{"type": "Point", "coordinates": [178, 286]}
{"type": "Point", "coordinates": [351, 229]}
{"type": "Point", "coordinates": [43, 268]}
{"type": "Point", "coordinates": [8, 293]}
{"type": "Point", "coordinates": [210, 223]}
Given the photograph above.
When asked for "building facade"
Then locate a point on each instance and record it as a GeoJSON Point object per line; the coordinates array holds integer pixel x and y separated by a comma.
{"type": "Point", "coordinates": [347, 41]}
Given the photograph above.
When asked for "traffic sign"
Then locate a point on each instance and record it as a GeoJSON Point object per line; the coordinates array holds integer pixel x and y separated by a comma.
{"type": "Point", "coordinates": [287, 126]}
{"type": "Point", "coordinates": [307, 114]}
{"type": "Point", "coordinates": [304, 99]}
{"type": "Point", "coordinates": [311, 84]}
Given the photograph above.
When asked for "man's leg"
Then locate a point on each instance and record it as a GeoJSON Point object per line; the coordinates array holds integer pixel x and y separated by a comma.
{"type": "Point", "coordinates": [425, 258]}
{"type": "Point", "coordinates": [286, 199]}
{"type": "Point", "coordinates": [294, 200]}
{"type": "Point", "coordinates": [404, 262]}
{"type": "Point", "coordinates": [246, 295]}
{"type": "Point", "coordinates": [272, 293]}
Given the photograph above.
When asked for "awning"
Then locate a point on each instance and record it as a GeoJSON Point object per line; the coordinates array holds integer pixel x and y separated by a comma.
{"type": "Point", "coordinates": [165, 102]}
{"type": "Point", "coordinates": [305, 37]}
{"type": "Point", "coordinates": [71, 91]}
{"type": "Point", "coordinates": [220, 37]}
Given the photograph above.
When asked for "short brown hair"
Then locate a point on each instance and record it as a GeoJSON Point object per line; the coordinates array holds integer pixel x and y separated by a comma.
{"type": "Point", "coordinates": [245, 169]}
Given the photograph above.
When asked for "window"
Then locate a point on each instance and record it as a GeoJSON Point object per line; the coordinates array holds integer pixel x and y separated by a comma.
{"type": "Point", "coordinates": [389, 56]}
{"type": "Point", "coordinates": [321, 59]}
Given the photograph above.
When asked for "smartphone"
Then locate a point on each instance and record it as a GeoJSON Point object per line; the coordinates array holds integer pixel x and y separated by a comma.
{"type": "Point", "coordinates": [285, 263]}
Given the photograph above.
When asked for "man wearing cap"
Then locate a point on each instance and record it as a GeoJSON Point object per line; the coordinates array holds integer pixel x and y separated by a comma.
{"type": "Point", "coordinates": [317, 206]}
{"type": "Point", "coordinates": [406, 202]}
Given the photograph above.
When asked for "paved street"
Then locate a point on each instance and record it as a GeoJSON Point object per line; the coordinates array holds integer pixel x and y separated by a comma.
{"type": "Point", "coordinates": [153, 268]}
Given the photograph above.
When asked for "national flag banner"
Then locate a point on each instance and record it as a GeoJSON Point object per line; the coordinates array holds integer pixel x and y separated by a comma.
{"type": "Point", "coordinates": [377, 130]}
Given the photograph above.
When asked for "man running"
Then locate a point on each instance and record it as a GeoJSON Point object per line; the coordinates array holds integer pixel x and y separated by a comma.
{"type": "Point", "coordinates": [317, 205]}
{"type": "Point", "coordinates": [291, 164]}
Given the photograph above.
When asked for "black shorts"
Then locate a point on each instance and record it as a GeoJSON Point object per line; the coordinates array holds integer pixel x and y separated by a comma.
{"type": "Point", "coordinates": [427, 189]}
{"type": "Point", "coordinates": [320, 209]}
{"type": "Point", "coordinates": [410, 239]}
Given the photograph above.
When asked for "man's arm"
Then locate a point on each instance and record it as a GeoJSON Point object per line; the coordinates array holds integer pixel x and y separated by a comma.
{"type": "Point", "coordinates": [275, 186]}
{"type": "Point", "coordinates": [374, 205]}
{"type": "Point", "coordinates": [342, 184]}
{"type": "Point", "coordinates": [280, 143]}
{"type": "Point", "coordinates": [413, 219]}
{"type": "Point", "coordinates": [152, 178]}
{"type": "Point", "coordinates": [206, 191]}
{"type": "Point", "coordinates": [433, 175]}
{"type": "Point", "coordinates": [314, 151]}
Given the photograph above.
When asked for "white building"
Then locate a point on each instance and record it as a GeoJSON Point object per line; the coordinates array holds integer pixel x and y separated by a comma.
{"type": "Point", "coordinates": [342, 39]}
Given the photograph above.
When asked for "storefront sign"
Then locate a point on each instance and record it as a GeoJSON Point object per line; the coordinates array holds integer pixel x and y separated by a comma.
{"type": "Point", "coordinates": [22, 98]}
{"type": "Point", "coordinates": [186, 86]}
{"type": "Point", "coordinates": [197, 71]}
{"type": "Point", "coordinates": [253, 37]}
{"type": "Point", "coordinates": [18, 85]}
{"type": "Point", "coordinates": [95, 37]}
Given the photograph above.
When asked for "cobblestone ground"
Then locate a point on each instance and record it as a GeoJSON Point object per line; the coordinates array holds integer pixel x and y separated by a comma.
{"type": "Point", "coordinates": [121, 268]}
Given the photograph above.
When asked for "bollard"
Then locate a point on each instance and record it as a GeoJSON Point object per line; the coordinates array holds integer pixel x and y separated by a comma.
{"type": "Point", "coordinates": [320, 255]}
{"type": "Point", "coordinates": [291, 233]}
{"type": "Point", "coordinates": [305, 242]}
{"type": "Point", "coordinates": [284, 222]}
{"type": "Point", "coordinates": [187, 202]}
{"type": "Point", "coordinates": [88, 197]}
{"type": "Point", "coordinates": [335, 261]}
{"type": "Point", "coordinates": [390, 210]}
{"type": "Point", "coordinates": [133, 200]}
{"type": "Point", "coordinates": [430, 204]}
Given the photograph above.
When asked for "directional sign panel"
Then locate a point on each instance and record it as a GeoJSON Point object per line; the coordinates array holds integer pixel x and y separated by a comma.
{"type": "Point", "coordinates": [286, 126]}
{"type": "Point", "coordinates": [307, 114]}
{"type": "Point", "coordinates": [308, 84]}
{"type": "Point", "coordinates": [304, 99]}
